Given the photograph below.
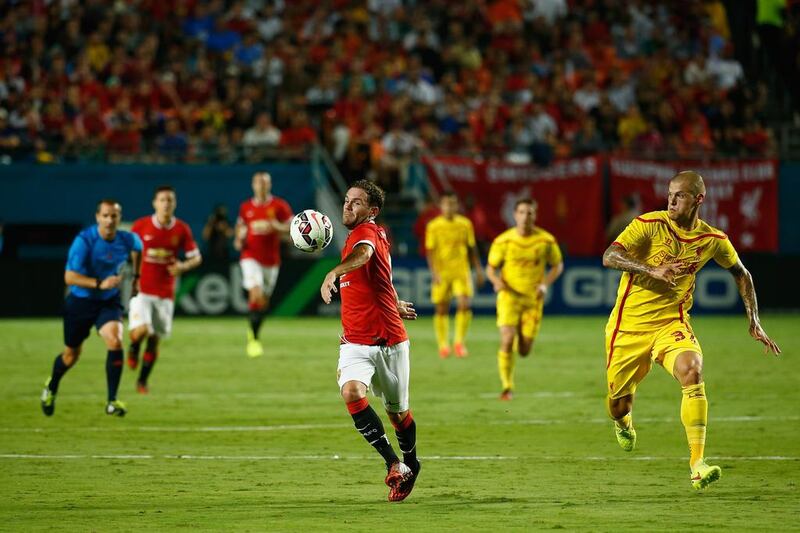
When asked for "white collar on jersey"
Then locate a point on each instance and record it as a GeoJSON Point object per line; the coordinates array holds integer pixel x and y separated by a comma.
{"type": "Point", "coordinates": [157, 224]}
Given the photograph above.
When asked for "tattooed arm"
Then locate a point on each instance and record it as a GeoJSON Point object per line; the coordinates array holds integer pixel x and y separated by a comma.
{"type": "Point", "coordinates": [744, 281]}
{"type": "Point", "coordinates": [618, 257]}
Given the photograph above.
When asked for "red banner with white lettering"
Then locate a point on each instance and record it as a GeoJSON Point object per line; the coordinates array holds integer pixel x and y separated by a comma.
{"type": "Point", "coordinates": [569, 194]}
{"type": "Point", "coordinates": [741, 196]}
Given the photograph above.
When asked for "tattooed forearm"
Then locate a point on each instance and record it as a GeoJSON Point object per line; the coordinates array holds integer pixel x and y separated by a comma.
{"type": "Point", "coordinates": [744, 282]}
{"type": "Point", "coordinates": [616, 257]}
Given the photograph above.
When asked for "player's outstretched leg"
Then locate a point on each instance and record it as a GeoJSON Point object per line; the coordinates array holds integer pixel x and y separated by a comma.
{"type": "Point", "coordinates": [369, 424]}
{"type": "Point", "coordinates": [694, 416]}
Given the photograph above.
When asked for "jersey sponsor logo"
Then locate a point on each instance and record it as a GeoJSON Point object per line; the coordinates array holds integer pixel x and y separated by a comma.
{"type": "Point", "coordinates": [159, 254]}
{"type": "Point", "coordinates": [343, 285]}
{"type": "Point", "coordinates": [147, 238]}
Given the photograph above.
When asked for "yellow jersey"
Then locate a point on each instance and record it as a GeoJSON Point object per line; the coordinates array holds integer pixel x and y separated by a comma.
{"type": "Point", "coordinates": [448, 242]}
{"type": "Point", "coordinates": [643, 303]}
{"type": "Point", "coordinates": [523, 258]}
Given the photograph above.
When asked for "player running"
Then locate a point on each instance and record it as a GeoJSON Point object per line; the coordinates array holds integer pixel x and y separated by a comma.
{"type": "Point", "coordinates": [92, 273]}
{"type": "Point", "coordinates": [517, 269]}
{"type": "Point", "coordinates": [660, 254]}
{"type": "Point", "coordinates": [374, 348]}
{"type": "Point", "coordinates": [150, 312]}
{"type": "Point", "coordinates": [450, 245]}
{"type": "Point", "coordinates": [262, 220]}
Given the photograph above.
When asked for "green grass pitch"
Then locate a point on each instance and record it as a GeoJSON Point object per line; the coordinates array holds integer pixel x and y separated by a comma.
{"type": "Point", "coordinates": [225, 443]}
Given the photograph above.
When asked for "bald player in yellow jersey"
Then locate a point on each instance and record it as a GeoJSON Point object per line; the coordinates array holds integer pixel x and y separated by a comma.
{"type": "Point", "coordinates": [660, 254]}
{"type": "Point", "coordinates": [450, 247]}
{"type": "Point", "coordinates": [518, 261]}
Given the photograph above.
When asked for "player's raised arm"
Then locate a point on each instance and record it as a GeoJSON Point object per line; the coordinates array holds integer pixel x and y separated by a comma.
{"type": "Point", "coordinates": [359, 257]}
{"type": "Point", "coordinates": [618, 257]}
{"type": "Point", "coordinates": [744, 281]}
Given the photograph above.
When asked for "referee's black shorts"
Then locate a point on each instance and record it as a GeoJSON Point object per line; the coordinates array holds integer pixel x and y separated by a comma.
{"type": "Point", "coordinates": [80, 314]}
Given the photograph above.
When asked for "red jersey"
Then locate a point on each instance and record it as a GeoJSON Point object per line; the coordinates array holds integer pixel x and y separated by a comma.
{"type": "Point", "coordinates": [262, 242]}
{"type": "Point", "coordinates": [161, 245]}
{"type": "Point", "coordinates": [369, 301]}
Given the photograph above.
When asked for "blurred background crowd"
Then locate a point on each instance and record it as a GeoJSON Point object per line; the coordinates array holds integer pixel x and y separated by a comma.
{"type": "Point", "coordinates": [378, 81]}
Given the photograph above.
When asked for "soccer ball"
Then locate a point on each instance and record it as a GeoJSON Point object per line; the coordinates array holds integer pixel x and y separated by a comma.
{"type": "Point", "coordinates": [311, 231]}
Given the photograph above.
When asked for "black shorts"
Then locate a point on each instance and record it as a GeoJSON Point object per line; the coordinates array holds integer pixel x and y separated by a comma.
{"type": "Point", "coordinates": [80, 314]}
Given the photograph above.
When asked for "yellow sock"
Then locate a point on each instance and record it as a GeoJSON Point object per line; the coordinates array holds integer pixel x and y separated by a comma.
{"type": "Point", "coordinates": [505, 363]}
{"type": "Point", "coordinates": [463, 318]}
{"type": "Point", "coordinates": [441, 324]}
{"type": "Point", "coordinates": [694, 415]}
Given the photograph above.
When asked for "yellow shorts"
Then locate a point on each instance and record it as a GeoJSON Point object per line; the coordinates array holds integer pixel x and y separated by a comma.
{"type": "Point", "coordinates": [519, 312]}
{"type": "Point", "coordinates": [450, 287]}
{"type": "Point", "coordinates": [630, 354]}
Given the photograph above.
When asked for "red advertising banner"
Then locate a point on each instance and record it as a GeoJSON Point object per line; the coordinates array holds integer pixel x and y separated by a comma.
{"type": "Point", "coordinates": [741, 196]}
{"type": "Point", "coordinates": [569, 193]}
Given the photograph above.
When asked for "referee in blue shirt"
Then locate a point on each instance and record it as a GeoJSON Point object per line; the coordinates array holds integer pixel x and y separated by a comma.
{"type": "Point", "coordinates": [93, 275]}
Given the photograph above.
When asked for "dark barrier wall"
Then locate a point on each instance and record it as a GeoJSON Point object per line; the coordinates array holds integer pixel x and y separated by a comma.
{"type": "Point", "coordinates": [789, 208]}
{"type": "Point", "coordinates": [67, 194]}
{"type": "Point", "coordinates": [584, 288]}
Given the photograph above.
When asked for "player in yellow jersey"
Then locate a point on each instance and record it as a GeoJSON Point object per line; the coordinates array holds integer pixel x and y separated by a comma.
{"type": "Point", "coordinates": [660, 254]}
{"type": "Point", "coordinates": [450, 246]}
{"type": "Point", "coordinates": [518, 261]}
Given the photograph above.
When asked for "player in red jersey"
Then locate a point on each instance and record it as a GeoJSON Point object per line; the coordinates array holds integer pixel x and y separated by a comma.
{"type": "Point", "coordinates": [150, 313]}
{"type": "Point", "coordinates": [374, 343]}
{"type": "Point", "coordinates": [263, 219]}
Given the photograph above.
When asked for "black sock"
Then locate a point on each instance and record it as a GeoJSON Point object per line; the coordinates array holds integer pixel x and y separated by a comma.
{"type": "Point", "coordinates": [256, 316]}
{"type": "Point", "coordinates": [113, 372]}
{"type": "Point", "coordinates": [368, 423]}
{"type": "Point", "coordinates": [148, 361]}
{"type": "Point", "coordinates": [59, 369]}
{"type": "Point", "coordinates": [407, 440]}
{"type": "Point", "coordinates": [134, 349]}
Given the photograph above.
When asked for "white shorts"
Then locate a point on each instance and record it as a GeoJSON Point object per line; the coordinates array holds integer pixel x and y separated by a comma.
{"type": "Point", "coordinates": [256, 275]}
{"type": "Point", "coordinates": [152, 311]}
{"type": "Point", "coordinates": [384, 369]}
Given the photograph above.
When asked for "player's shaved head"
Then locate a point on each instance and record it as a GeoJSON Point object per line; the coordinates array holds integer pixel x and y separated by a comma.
{"type": "Point", "coordinates": [691, 180]}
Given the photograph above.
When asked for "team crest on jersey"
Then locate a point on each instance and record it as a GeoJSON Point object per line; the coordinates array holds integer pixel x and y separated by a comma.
{"type": "Point", "coordinates": [699, 251]}
{"type": "Point", "coordinates": [175, 240]}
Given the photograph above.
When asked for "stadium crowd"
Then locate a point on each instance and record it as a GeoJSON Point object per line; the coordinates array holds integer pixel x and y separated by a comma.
{"type": "Point", "coordinates": [375, 80]}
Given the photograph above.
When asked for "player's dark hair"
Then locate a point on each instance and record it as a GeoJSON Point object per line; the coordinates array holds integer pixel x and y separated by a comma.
{"type": "Point", "coordinates": [525, 200]}
{"type": "Point", "coordinates": [375, 194]}
{"type": "Point", "coordinates": [163, 188]}
{"type": "Point", "coordinates": [449, 194]}
{"type": "Point", "coordinates": [106, 201]}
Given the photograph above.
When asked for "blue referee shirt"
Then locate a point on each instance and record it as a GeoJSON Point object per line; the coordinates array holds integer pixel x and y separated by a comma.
{"type": "Point", "coordinates": [93, 256]}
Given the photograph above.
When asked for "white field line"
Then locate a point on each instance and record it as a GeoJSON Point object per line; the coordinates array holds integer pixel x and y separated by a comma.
{"type": "Point", "coordinates": [299, 427]}
{"type": "Point", "coordinates": [188, 457]}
